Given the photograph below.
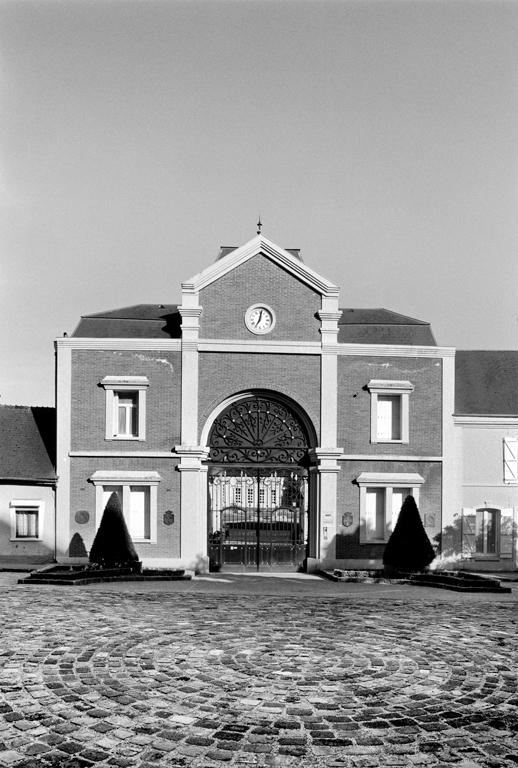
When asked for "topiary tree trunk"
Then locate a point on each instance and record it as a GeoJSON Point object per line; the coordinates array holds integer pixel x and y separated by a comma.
{"type": "Point", "coordinates": [408, 548]}
{"type": "Point", "coordinates": [112, 545]}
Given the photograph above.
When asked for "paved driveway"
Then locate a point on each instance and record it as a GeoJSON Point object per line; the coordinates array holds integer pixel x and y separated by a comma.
{"type": "Point", "coordinates": [256, 671]}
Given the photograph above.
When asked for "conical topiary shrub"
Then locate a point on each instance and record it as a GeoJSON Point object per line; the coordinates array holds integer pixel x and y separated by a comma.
{"type": "Point", "coordinates": [112, 545]}
{"type": "Point", "coordinates": [408, 548]}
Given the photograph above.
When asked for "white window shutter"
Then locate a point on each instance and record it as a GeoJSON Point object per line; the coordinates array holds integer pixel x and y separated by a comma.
{"type": "Point", "coordinates": [510, 459]}
{"type": "Point", "coordinates": [507, 534]}
{"type": "Point", "coordinates": [469, 519]}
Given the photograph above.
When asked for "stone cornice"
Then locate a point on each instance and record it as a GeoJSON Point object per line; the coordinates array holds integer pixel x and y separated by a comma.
{"type": "Point", "coordinates": [190, 311]}
{"type": "Point", "coordinates": [485, 421]}
{"type": "Point", "coordinates": [394, 350]}
{"type": "Point", "coordinates": [381, 479]}
{"type": "Point", "coordinates": [386, 457]}
{"type": "Point", "coordinates": [124, 454]}
{"type": "Point", "coordinates": [260, 345]}
{"type": "Point", "coordinates": [166, 345]}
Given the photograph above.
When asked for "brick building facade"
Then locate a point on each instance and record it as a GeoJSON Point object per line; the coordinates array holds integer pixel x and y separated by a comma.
{"type": "Point", "coordinates": [255, 425]}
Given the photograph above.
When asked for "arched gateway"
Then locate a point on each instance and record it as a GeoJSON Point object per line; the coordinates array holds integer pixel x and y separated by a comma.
{"type": "Point", "coordinates": [258, 485]}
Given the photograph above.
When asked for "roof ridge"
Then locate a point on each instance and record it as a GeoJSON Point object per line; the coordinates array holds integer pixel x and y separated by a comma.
{"type": "Point", "coordinates": [413, 320]}
{"type": "Point", "coordinates": [104, 313]}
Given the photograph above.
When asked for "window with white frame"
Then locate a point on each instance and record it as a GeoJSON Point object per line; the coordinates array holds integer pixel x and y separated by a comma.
{"type": "Point", "coordinates": [26, 519]}
{"type": "Point", "coordinates": [381, 498]}
{"type": "Point", "coordinates": [137, 492]}
{"type": "Point", "coordinates": [510, 460]}
{"type": "Point", "coordinates": [125, 407]}
{"type": "Point", "coordinates": [487, 530]}
{"type": "Point", "coordinates": [390, 405]}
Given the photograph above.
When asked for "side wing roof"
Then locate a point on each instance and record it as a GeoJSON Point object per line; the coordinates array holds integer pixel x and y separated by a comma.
{"type": "Point", "coordinates": [381, 326]}
{"type": "Point", "coordinates": [28, 444]}
{"type": "Point", "coordinates": [486, 382]}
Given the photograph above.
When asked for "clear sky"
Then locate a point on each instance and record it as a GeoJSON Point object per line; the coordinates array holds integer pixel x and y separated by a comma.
{"type": "Point", "coordinates": [136, 138]}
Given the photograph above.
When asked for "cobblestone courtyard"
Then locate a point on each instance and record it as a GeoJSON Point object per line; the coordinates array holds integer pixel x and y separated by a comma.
{"type": "Point", "coordinates": [192, 675]}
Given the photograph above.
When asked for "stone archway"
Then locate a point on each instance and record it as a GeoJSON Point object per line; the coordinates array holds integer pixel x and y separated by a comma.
{"type": "Point", "coordinates": [258, 485]}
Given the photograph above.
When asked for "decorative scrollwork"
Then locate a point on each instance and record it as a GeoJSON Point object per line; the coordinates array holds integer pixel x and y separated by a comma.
{"type": "Point", "coordinates": [257, 430]}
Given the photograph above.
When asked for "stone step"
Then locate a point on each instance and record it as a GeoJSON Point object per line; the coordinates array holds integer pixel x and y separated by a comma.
{"type": "Point", "coordinates": [101, 580]}
{"type": "Point", "coordinates": [458, 583]}
{"type": "Point", "coordinates": [74, 575]}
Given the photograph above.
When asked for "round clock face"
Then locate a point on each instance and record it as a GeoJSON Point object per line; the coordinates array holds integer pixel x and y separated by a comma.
{"type": "Point", "coordinates": [259, 318]}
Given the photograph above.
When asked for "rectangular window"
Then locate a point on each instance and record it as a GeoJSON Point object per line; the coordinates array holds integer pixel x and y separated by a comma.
{"type": "Point", "coordinates": [390, 407]}
{"type": "Point", "coordinates": [274, 496]}
{"type": "Point", "coordinates": [262, 497]}
{"type": "Point", "coordinates": [389, 417]}
{"type": "Point", "coordinates": [126, 416]}
{"type": "Point", "coordinates": [238, 495]}
{"type": "Point", "coordinates": [26, 519]}
{"type": "Point", "coordinates": [250, 496]}
{"type": "Point", "coordinates": [135, 503]}
{"type": "Point", "coordinates": [375, 514]}
{"type": "Point", "coordinates": [381, 497]}
{"type": "Point", "coordinates": [107, 492]}
{"type": "Point", "coordinates": [27, 523]}
{"type": "Point", "coordinates": [486, 531]}
{"type": "Point", "coordinates": [139, 522]}
{"type": "Point", "coordinates": [125, 407]}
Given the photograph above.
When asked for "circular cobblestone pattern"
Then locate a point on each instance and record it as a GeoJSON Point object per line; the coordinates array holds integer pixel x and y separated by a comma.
{"type": "Point", "coordinates": [114, 678]}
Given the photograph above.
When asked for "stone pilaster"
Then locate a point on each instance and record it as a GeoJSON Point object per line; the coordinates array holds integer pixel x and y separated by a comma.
{"type": "Point", "coordinates": [328, 452]}
{"type": "Point", "coordinates": [193, 535]}
{"type": "Point", "coordinates": [193, 491]}
{"type": "Point", "coordinates": [63, 446]}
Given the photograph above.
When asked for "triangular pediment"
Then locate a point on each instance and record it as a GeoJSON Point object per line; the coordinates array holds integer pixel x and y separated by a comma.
{"type": "Point", "coordinates": [260, 245]}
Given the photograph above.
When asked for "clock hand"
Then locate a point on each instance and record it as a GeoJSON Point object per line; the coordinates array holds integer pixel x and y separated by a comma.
{"type": "Point", "coordinates": [260, 317]}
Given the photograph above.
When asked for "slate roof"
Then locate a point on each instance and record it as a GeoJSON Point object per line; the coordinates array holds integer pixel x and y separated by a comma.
{"type": "Point", "coordinates": [28, 444]}
{"type": "Point", "coordinates": [381, 326]}
{"type": "Point", "coordinates": [141, 321]}
{"type": "Point", "coordinates": [155, 321]}
{"type": "Point", "coordinates": [486, 382]}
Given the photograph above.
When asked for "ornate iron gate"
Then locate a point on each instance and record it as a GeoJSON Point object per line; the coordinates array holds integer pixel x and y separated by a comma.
{"type": "Point", "coordinates": [258, 517]}
{"type": "Point", "coordinates": [258, 513]}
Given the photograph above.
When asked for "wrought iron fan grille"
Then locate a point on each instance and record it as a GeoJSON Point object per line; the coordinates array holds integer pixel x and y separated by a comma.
{"type": "Point", "coordinates": [258, 430]}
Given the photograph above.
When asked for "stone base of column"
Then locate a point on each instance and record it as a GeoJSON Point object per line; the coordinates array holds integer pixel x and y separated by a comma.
{"type": "Point", "coordinates": [326, 472]}
{"type": "Point", "coordinates": [193, 508]}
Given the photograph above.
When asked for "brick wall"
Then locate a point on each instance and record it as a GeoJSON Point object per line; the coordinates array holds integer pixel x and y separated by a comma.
{"type": "Point", "coordinates": [348, 539]}
{"type": "Point", "coordinates": [82, 498]}
{"type": "Point", "coordinates": [224, 374]}
{"type": "Point", "coordinates": [354, 402]}
{"type": "Point", "coordinates": [225, 302]}
{"type": "Point", "coordinates": [163, 369]}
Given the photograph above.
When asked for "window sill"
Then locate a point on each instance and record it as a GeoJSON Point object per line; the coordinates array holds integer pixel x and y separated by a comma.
{"type": "Point", "coordinates": [144, 541]}
{"type": "Point", "coordinates": [25, 538]}
{"type": "Point", "coordinates": [390, 442]}
{"type": "Point", "coordinates": [128, 438]}
{"type": "Point", "coordinates": [374, 541]}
